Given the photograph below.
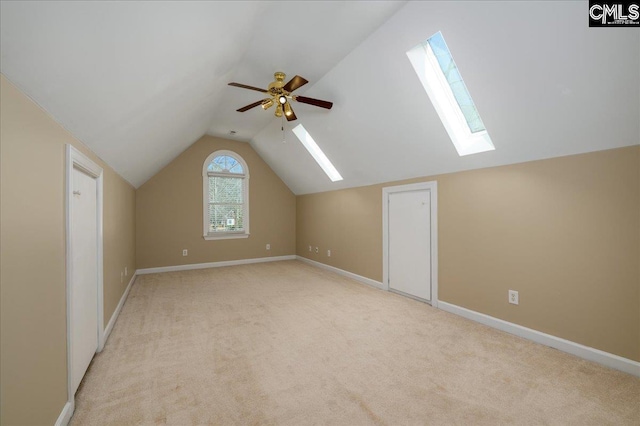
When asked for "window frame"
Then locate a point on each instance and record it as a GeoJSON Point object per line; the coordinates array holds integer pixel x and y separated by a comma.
{"type": "Point", "coordinates": [316, 152]}
{"type": "Point", "coordinates": [440, 93]}
{"type": "Point", "coordinates": [224, 235]}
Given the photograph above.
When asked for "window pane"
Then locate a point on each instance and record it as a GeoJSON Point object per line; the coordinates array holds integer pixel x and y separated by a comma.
{"type": "Point", "coordinates": [224, 218]}
{"type": "Point", "coordinates": [215, 165]}
{"type": "Point", "coordinates": [225, 190]}
{"type": "Point", "coordinates": [459, 89]}
{"type": "Point", "coordinates": [225, 163]}
{"type": "Point", "coordinates": [236, 168]}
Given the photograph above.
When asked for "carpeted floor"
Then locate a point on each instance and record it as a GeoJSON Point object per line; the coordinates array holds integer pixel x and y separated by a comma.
{"type": "Point", "coordinates": [285, 343]}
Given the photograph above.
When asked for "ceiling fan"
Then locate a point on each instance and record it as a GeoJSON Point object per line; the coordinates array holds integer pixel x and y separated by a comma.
{"type": "Point", "coordinates": [281, 95]}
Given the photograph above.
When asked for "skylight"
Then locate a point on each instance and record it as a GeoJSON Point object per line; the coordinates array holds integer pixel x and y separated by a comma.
{"type": "Point", "coordinates": [442, 81]}
{"type": "Point", "coordinates": [316, 153]}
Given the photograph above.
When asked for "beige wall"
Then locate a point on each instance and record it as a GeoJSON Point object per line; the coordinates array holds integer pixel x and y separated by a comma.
{"type": "Point", "coordinates": [169, 212]}
{"type": "Point", "coordinates": [119, 233]}
{"type": "Point", "coordinates": [564, 232]}
{"type": "Point", "coordinates": [33, 366]}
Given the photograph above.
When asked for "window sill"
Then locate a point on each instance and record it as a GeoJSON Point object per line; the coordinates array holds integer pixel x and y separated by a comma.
{"type": "Point", "coordinates": [229, 236]}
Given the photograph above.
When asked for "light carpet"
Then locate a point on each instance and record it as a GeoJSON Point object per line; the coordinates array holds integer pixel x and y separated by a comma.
{"type": "Point", "coordinates": [285, 343]}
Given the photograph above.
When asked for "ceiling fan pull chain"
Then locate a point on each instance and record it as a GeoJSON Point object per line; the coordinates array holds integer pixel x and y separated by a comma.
{"type": "Point", "coordinates": [284, 140]}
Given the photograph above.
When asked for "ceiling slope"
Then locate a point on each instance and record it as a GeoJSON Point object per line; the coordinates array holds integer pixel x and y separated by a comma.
{"type": "Point", "coordinates": [545, 84]}
{"type": "Point", "coordinates": [139, 82]}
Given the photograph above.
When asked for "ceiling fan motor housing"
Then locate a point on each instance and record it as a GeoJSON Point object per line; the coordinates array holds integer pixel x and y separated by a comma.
{"type": "Point", "coordinates": [275, 88]}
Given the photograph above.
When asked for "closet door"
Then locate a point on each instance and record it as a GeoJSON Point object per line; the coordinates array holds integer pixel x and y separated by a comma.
{"type": "Point", "coordinates": [84, 275]}
{"type": "Point", "coordinates": [410, 243]}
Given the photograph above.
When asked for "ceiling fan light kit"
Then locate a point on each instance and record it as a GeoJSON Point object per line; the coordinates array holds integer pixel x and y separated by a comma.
{"type": "Point", "coordinates": [267, 103]}
{"type": "Point", "coordinates": [281, 95]}
{"type": "Point", "coordinates": [287, 109]}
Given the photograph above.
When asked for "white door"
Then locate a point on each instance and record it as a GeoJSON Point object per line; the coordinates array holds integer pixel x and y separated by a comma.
{"type": "Point", "coordinates": [84, 275]}
{"type": "Point", "coordinates": [410, 243]}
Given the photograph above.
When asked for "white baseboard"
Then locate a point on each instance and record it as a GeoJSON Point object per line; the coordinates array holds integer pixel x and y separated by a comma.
{"type": "Point", "coordinates": [591, 354]}
{"type": "Point", "coordinates": [364, 280]}
{"type": "Point", "coordinates": [116, 313]}
{"type": "Point", "coordinates": [212, 264]}
{"type": "Point", "coordinates": [65, 415]}
{"type": "Point", "coordinates": [605, 358]}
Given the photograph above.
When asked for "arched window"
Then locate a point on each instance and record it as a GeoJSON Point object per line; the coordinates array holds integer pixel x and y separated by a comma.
{"type": "Point", "coordinates": [225, 183]}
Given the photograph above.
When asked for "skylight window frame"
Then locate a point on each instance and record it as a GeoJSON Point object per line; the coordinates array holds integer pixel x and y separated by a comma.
{"type": "Point", "coordinates": [435, 83]}
{"type": "Point", "coordinates": [312, 147]}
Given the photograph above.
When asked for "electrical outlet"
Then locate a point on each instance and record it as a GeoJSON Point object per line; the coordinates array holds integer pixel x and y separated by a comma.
{"type": "Point", "coordinates": [309, 248]}
{"type": "Point", "coordinates": [513, 297]}
{"type": "Point", "coordinates": [185, 252]}
{"type": "Point", "coordinates": [268, 246]}
{"type": "Point", "coordinates": [317, 250]}
{"type": "Point", "coordinates": [328, 253]}
{"type": "Point", "coordinates": [125, 272]}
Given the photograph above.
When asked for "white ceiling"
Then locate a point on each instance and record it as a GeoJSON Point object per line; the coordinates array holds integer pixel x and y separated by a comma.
{"type": "Point", "coordinates": [139, 82]}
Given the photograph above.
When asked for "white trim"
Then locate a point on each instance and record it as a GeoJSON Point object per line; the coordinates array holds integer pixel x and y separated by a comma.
{"type": "Point", "coordinates": [432, 187]}
{"type": "Point", "coordinates": [75, 158]}
{"type": "Point", "coordinates": [116, 313]}
{"type": "Point", "coordinates": [364, 280]}
{"type": "Point", "coordinates": [65, 414]}
{"type": "Point", "coordinates": [212, 264]}
{"type": "Point", "coordinates": [591, 354]}
{"type": "Point", "coordinates": [225, 236]}
{"type": "Point", "coordinates": [83, 162]}
{"type": "Point", "coordinates": [205, 197]}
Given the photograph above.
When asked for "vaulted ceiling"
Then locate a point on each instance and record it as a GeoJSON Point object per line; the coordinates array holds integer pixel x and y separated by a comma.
{"type": "Point", "coordinates": [139, 82]}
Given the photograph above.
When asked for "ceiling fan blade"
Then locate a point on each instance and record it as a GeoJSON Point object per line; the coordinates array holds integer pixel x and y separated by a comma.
{"type": "Point", "coordinates": [291, 116]}
{"type": "Point", "coordinates": [294, 83]}
{"type": "Point", "coordinates": [244, 86]}
{"type": "Point", "coordinates": [248, 107]}
{"type": "Point", "coordinates": [315, 102]}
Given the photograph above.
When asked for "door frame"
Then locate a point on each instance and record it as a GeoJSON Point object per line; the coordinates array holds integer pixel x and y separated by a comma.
{"type": "Point", "coordinates": [76, 159]}
{"type": "Point", "coordinates": [432, 187]}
